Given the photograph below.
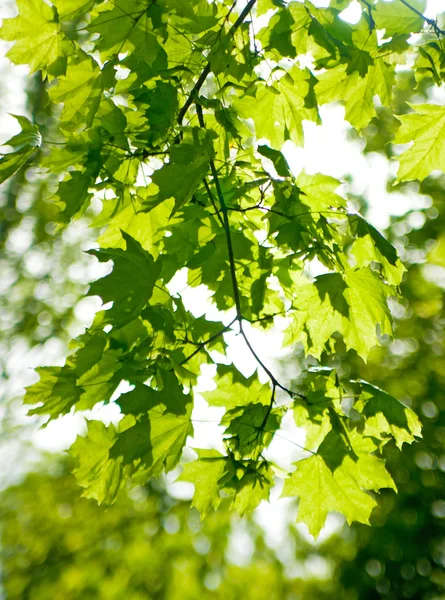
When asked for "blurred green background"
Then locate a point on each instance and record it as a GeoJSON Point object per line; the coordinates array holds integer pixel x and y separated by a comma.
{"type": "Point", "coordinates": [149, 545]}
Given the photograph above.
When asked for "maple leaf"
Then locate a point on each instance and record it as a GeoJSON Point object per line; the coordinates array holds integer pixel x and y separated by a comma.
{"type": "Point", "coordinates": [164, 119]}
{"type": "Point", "coordinates": [335, 479]}
{"type": "Point", "coordinates": [425, 127]}
{"type": "Point", "coordinates": [80, 91]}
{"type": "Point", "coordinates": [235, 390]}
{"type": "Point", "coordinates": [205, 473]}
{"type": "Point", "coordinates": [386, 416]}
{"type": "Point", "coordinates": [189, 161]}
{"type": "Point", "coordinates": [23, 144]}
{"type": "Point", "coordinates": [101, 478]}
{"type": "Point", "coordinates": [370, 246]}
{"type": "Point", "coordinates": [130, 284]}
{"type": "Point", "coordinates": [356, 91]}
{"type": "Point", "coordinates": [35, 33]}
{"type": "Point", "coordinates": [281, 108]}
{"type": "Point", "coordinates": [352, 303]}
{"type": "Point", "coordinates": [399, 19]}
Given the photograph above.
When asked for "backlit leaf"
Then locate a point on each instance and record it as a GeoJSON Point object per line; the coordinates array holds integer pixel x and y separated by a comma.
{"type": "Point", "coordinates": [36, 33]}
{"type": "Point", "coordinates": [425, 127]}
{"type": "Point", "coordinates": [130, 284]}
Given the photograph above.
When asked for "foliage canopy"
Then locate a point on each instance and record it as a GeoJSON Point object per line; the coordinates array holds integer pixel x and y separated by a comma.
{"type": "Point", "coordinates": [174, 115]}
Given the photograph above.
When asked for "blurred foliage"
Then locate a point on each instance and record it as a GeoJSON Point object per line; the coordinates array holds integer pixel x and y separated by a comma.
{"type": "Point", "coordinates": [57, 545]}
{"type": "Point", "coordinates": [41, 272]}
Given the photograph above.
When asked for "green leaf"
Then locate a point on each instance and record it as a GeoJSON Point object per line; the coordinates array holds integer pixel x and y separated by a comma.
{"type": "Point", "coordinates": [335, 479]}
{"type": "Point", "coordinates": [56, 391]}
{"type": "Point", "coordinates": [353, 304]}
{"type": "Point", "coordinates": [250, 429]}
{"type": "Point", "coordinates": [280, 29]}
{"type": "Point", "coordinates": [189, 163]}
{"type": "Point", "coordinates": [154, 443]}
{"type": "Point", "coordinates": [213, 472]}
{"type": "Point", "coordinates": [139, 448]}
{"type": "Point", "coordinates": [73, 195]}
{"type": "Point", "coordinates": [425, 127]}
{"type": "Point", "coordinates": [279, 162]}
{"type": "Point", "coordinates": [206, 473]}
{"type": "Point", "coordinates": [130, 284]}
{"type": "Point", "coordinates": [79, 90]}
{"type": "Point", "coordinates": [280, 108]}
{"type": "Point", "coordinates": [24, 144]}
{"type": "Point", "coordinates": [318, 192]}
{"type": "Point", "coordinates": [100, 477]}
{"type": "Point", "coordinates": [253, 487]}
{"type": "Point", "coordinates": [315, 412]}
{"type": "Point", "coordinates": [36, 33]}
{"type": "Point", "coordinates": [142, 398]}
{"type": "Point", "coordinates": [162, 102]}
{"type": "Point", "coordinates": [356, 91]}
{"type": "Point", "coordinates": [264, 5]}
{"type": "Point", "coordinates": [370, 246]}
{"type": "Point", "coordinates": [397, 18]}
{"type": "Point", "coordinates": [234, 390]}
{"type": "Point", "coordinates": [69, 9]}
{"type": "Point", "coordinates": [90, 375]}
{"type": "Point", "coordinates": [192, 15]}
{"type": "Point", "coordinates": [386, 417]}
{"type": "Point", "coordinates": [28, 136]}
{"type": "Point", "coordinates": [10, 163]}
{"type": "Point", "coordinates": [126, 26]}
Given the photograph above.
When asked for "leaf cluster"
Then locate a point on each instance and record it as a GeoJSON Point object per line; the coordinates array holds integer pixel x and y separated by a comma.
{"type": "Point", "coordinates": [173, 115]}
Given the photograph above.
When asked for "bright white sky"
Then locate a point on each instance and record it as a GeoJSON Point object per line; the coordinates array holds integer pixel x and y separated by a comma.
{"type": "Point", "coordinates": [327, 150]}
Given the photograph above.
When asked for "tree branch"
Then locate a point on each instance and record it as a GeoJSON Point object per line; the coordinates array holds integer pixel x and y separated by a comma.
{"type": "Point", "coordinates": [210, 339]}
{"type": "Point", "coordinates": [232, 267]}
{"type": "Point", "coordinates": [212, 200]}
{"type": "Point", "coordinates": [226, 225]}
{"type": "Point", "coordinates": [370, 17]}
{"type": "Point", "coordinates": [269, 408]}
{"type": "Point", "coordinates": [201, 79]}
{"type": "Point", "coordinates": [431, 22]}
{"type": "Point", "coordinates": [271, 376]}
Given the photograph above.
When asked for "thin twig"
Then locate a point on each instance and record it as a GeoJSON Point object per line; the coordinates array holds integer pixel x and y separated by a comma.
{"type": "Point", "coordinates": [212, 200]}
{"type": "Point", "coordinates": [207, 341]}
{"type": "Point", "coordinates": [431, 22]}
{"type": "Point", "coordinates": [232, 268]}
{"type": "Point", "coordinates": [271, 376]}
{"type": "Point", "coordinates": [226, 225]}
{"type": "Point", "coordinates": [370, 17]}
{"type": "Point", "coordinates": [284, 215]}
{"type": "Point", "coordinates": [201, 79]}
{"type": "Point", "coordinates": [269, 408]}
